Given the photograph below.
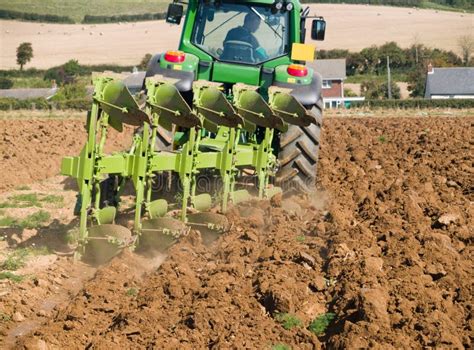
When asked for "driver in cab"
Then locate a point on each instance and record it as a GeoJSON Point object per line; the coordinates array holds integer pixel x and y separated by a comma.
{"type": "Point", "coordinates": [245, 34]}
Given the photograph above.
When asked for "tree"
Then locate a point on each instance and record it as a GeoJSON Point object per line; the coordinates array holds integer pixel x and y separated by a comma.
{"type": "Point", "coordinates": [417, 81]}
{"type": "Point", "coordinates": [66, 73]}
{"type": "Point", "coordinates": [144, 62]}
{"type": "Point", "coordinates": [24, 54]}
{"type": "Point", "coordinates": [397, 55]}
{"type": "Point", "coordinates": [375, 90]}
{"type": "Point", "coordinates": [466, 44]}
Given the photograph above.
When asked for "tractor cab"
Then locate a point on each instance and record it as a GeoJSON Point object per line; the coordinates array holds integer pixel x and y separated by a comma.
{"type": "Point", "coordinates": [251, 42]}
{"type": "Point", "coordinates": [239, 33]}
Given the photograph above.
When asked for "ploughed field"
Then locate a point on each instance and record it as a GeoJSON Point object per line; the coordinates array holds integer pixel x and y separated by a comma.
{"type": "Point", "coordinates": [380, 255]}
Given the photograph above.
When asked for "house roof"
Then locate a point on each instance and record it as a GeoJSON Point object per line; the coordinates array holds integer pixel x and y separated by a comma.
{"type": "Point", "coordinates": [330, 69]}
{"type": "Point", "coordinates": [450, 81]}
{"type": "Point", "coordinates": [23, 94]}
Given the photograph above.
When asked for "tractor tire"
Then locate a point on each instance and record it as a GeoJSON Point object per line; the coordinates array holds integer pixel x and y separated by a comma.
{"type": "Point", "coordinates": [299, 155]}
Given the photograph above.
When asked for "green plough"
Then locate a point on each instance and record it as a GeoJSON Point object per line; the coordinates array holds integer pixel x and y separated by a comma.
{"type": "Point", "coordinates": [238, 112]}
{"type": "Point", "coordinates": [210, 137]}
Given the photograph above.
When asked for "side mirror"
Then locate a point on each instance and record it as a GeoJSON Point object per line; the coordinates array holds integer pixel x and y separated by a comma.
{"type": "Point", "coordinates": [175, 14]}
{"type": "Point", "coordinates": [318, 29]}
{"type": "Point", "coordinates": [211, 14]}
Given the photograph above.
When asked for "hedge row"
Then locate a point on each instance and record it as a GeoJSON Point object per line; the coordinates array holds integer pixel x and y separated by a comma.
{"type": "Point", "coordinates": [416, 103]}
{"type": "Point", "coordinates": [34, 17]}
{"type": "Point", "coordinates": [88, 19]}
{"type": "Point", "coordinates": [455, 4]}
{"type": "Point", "coordinates": [84, 70]}
{"type": "Point", "coordinates": [371, 2]}
{"type": "Point", "coordinates": [124, 18]}
{"type": "Point", "coordinates": [8, 104]}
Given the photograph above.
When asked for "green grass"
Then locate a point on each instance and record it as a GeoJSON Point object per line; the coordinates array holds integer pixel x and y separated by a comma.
{"type": "Point", "coordinates": [132, 292]}
{"type": "Point", "coordinates": [23, 188]}
{"type": "Point", "coordinates": [7, 221]}
{"type": "Point", "coordinates": [28, 200]}
{"type": "Point", "coordinates": [6, 275]}
{"type": "Point", "coordinates": [320, 324]}
{"type": "Point", "coordinates": [288, 321]}
{"type": "Point", "coordinates": [281, 347]}
{"type": "Point", "coordinates": [31, 221]}
{"type": "Point", "coordinates": [33, 82]}
{"type": "Point", "coordinates": [360, 78]}
{"type": "Point", "coordinates": [300, 238]}
{"type": "Point", "coordinates": [53, 199]}
{"type": "Point", "coordinates": [435, 6]}
{"type": "Point", "coordinates": [35, 220]}
{"type": "Point", "coordinates": [22, 201]}
{"type": "Point", "coordinates": [17, 259]}
{"type": "Point", "coordinates": [78, 9]}
{"type": "Point", "coordinates": [4, 317]}
{"type": "Point", "coordinates": [382, 139]}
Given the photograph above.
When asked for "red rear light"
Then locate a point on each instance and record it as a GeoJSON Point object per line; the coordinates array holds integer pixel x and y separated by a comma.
{"type": "Point", "coordinates": [175, 56]}
{"type": "Point", "coordinates": [297, 70]}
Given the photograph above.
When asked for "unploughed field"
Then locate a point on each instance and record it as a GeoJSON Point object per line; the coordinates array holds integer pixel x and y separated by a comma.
{"type": "Point", "coordinates": [352, 27]}
{"type": "Point", "coordinates": [382, 250]}
{"type": "Point", "coordinates": [78, 9]}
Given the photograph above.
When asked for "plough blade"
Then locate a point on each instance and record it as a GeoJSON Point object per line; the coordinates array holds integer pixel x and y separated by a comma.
{"type": "Point", "coordinates": [288, 108]}
{"type": "Point", "coordinates": [241, 196]}
{"type": "Point", "coordinates": [223, 132]}
{"type": "Point", "coordinates": [106, 215]}
{"type": "Point", "coordinates": [253, 108]}
{"type": "Point", "coordinates": [161, 233]}
{"type": "Point", "coordinates": [106, 241]}
{"type": "Point", "coordinates": [157, 208]}
{"type": "Point", "coordinates": [210, 225]}
{"type": "Point", "coordinates": [171, 106]}
{"type": "Point", "coordinates": [202, 202]}
{"type": "Point", "coordinates": [214, 107]}
{"type": "Point", "coordinates": [120, 105]}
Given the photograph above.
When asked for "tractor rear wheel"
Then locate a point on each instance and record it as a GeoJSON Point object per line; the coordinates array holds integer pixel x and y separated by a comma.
{"type": "Point", "coordinates": [299, 155]}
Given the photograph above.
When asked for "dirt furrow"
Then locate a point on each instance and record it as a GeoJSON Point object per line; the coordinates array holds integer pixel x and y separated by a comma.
{"type": "Point", "coordinates": [382, 250]}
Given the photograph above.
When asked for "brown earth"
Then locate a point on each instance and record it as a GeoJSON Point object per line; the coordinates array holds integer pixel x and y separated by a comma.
{"type": "Point", "coordinates": [32, 149]}
{"type": "Point", "coordinates": [384, 244]}
{"type": "Point", "coordinates": [351, 27]}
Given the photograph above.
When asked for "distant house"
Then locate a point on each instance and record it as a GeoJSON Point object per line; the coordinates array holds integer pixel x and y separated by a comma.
{"type": "Point", "coordinates": [449, 83]}
{"type": "Point", "coordinates": [333, 72]}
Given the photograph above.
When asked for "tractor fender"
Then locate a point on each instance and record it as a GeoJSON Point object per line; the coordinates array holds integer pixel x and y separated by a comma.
{"type": "Point", "coordinates": [307, 95]}
{"type": "Point", "coordinates": [185, 79]}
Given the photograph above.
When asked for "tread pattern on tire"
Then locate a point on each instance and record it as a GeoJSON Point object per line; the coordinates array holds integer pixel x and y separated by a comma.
{"type": "Point", "coordinates": [299, 154]}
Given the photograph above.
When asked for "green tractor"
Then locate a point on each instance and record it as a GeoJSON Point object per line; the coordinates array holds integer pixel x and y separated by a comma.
{"type": "Point", "coordinates": [234, 113]}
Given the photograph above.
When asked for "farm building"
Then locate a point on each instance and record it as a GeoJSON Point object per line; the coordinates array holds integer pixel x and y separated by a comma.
{"type": "Point", "coordinates": [449, 83]}
{"type": "Point", "coordinates": [333, 72]}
